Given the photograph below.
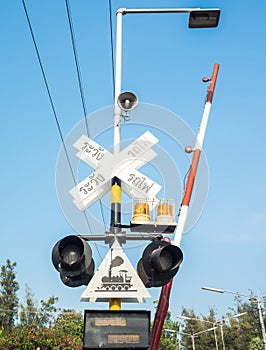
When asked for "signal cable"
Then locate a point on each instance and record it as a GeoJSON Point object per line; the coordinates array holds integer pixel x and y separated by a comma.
{"type": "Point", "coordinates": [73, 41]}
{"type": "Point", "coordinates": [51, 102]}
{"type": "Point", "coordinates": [81, 90]}
{"type": "Point", "coordinates": [48, 90]}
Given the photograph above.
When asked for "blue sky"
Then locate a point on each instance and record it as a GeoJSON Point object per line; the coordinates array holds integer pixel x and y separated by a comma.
{"type": "Point", "coordinates": [163, 63]}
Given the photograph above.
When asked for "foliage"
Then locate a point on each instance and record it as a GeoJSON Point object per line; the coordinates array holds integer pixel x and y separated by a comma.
{"type": "Point", "coordinates": [8, 296]}
{"type": "Point", "coordinates": [245, 328]}
{"type": "Point", "coordinates": [168, 339]}
{"type": "Point", "coordinates": [44, 326]}
{"type": "Point", "coordinates": [210, 332]}
{"type": "Point", "coordinates": [203, 329]}
{"type": "Point", "coordinates": [29, 338]}
{"type": "Point", "coordinates": [32, 315]}
{"type": "Point", "coordinates": [256, 344]}
{"type": "Point", "coordinates": [70, 322]}
{"type": "Point", "coordinates": [40, 325]}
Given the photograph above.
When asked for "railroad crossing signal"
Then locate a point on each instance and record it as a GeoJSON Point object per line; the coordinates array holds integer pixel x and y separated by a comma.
{"type": "Point", "coordinates": [159, 263]}
{"type": "Point", "coordinates": [124, 166]}
{"type": "Point", "coordinates": [72, 258]}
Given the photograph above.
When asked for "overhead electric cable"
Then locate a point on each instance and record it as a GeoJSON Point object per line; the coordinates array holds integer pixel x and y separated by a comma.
{"type": "Point", "coordinates": [81, 90]}
{"type": "Point", "coordinates": [74, 47]}
{"type": "Point", "coordinates": [51, 102]}
{"type": "Point", "coordinates": [48, 89]}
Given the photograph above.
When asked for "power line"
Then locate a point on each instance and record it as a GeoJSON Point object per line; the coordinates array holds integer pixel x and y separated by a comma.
{"type": "Point", "coordinates": [73, 41]}
{"type": "Point", "coordinates": [47, 89]}
{"type": "Point", "coordinates": [74, 47]}
{"type": "Point", "coordinates": [51, 101]}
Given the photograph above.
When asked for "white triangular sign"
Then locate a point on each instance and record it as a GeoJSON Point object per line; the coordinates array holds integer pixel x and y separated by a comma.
{"type": "Point", "coordinates": [115, 278]}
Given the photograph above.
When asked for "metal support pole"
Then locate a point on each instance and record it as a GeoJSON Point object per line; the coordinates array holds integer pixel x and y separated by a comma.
{"type": "Point", "coordinates": [222, 334]}
{"type": "Point", "coordinates": [118, 81]}
{"type": "Point", "coordinates": [215, 337]}
{"type": "Point", "coordinates": [116, 183]}
{"type": "Point", "coordinates": [193, 342]}
{"type": "Point", "coordinates": [261, 322]}
{"type": "Point", "coordinates": [115, 304]}
{"type": "Point", "coordinates": [116, 205]}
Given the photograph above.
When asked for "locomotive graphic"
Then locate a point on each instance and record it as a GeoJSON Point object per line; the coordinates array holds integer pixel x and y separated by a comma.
{"type": "Point", "coordinates": [120, 282]}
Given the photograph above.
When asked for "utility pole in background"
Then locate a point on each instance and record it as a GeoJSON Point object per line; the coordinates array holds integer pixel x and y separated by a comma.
{"type": "Point", "coordinates": [256, 300]}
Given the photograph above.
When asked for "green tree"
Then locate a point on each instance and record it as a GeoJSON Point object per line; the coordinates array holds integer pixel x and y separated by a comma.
{"type": "Point", "coordinates": [33, 315]}
{"type": "Point", "coordinates": [48, 311]}
{"type": "Point", "coordinates": [256, 344]}
{"type": "Point", "coordinates": [209, 339]}
{"type": "Point", "coordinates": [8, 296]}
{"type": "Point", "coordinates": [70, 322]}
{"type": "Point", "coordinates": [191, 326]}
{"type": "Point", "coordinates": [243, 329]}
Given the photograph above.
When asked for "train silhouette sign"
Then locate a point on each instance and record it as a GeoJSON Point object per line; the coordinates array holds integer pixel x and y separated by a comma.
{"type": "Point", "coordinates": [123, 165]}
{"type": "Point", "coordinates": [115, 278]}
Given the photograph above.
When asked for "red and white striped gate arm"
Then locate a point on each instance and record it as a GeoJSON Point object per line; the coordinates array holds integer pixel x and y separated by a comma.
{"type": "Point", "coordinates": [195, 160]}
{"type": "Point", "coordinates": [166, 290]}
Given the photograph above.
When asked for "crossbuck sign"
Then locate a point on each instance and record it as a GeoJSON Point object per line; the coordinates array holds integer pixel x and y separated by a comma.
{"type": "Point", "coordinates": [123, 165]}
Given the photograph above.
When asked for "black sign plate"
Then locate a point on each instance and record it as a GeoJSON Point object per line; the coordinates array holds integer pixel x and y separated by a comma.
{"type": "Point", "coordinates": [116, 329]}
